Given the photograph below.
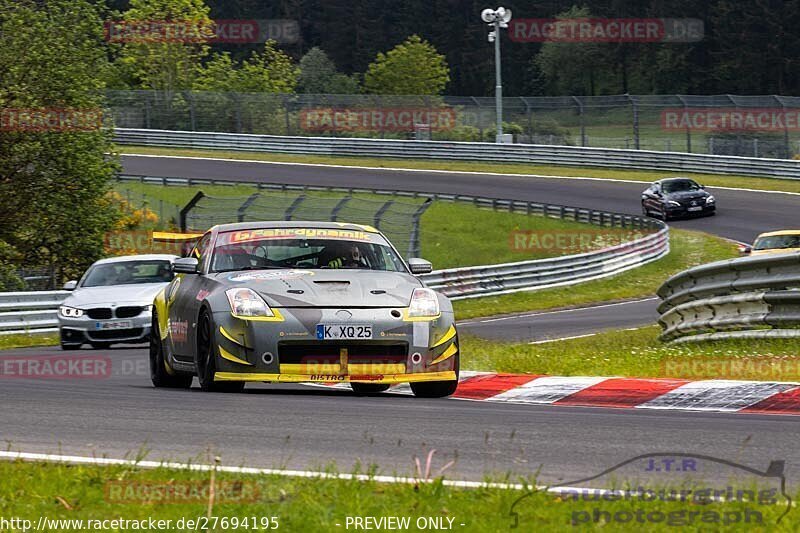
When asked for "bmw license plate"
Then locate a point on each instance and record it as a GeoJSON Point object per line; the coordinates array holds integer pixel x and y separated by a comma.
{"type": "Point", "coordinates": [117, 324]}
{"type": "Point", "coordinates": [344, 331]}
{"type": "Point", "coordinates": [695, 209]}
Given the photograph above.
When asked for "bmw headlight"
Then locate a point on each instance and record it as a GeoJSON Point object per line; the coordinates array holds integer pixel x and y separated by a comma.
{"type": "Point", "coordinates": [673, 203]}
{"type": "Point", "coordinates": [247, 303]}
{"type": "Point", "coordinates": [70, 312]}
{"type": "Point", "coordinates": [710, 200]}
{"type": "Point", "coordinates": [424, 304]}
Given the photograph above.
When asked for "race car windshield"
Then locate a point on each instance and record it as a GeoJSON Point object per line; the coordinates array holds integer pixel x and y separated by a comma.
{"type": "Point", "coordinates": [128, 273]}
{"type": "Point", "coordinates": [680, 186]}
{"type": "Point", "coordinates": [777, 242]}
{"type": "Point", "coordinates": [304, 248]}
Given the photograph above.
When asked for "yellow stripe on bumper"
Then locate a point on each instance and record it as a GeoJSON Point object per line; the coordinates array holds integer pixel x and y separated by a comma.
{"type": "Point", "coordinates": [449, 352]}
{"type": "Point", "coordinates": [232, 358]}
{"type": "Point", "coordinates": [301, 378]}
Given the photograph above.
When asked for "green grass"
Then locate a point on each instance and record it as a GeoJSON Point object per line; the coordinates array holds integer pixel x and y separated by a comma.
{"type": "Point", "coordinates": [56, 491]}
{"type": "Point", "coordinates": [638, 353]}
{"type": "Point", "coordinates": [688, 249]}
{"type": "Point", "coordinates": [8, 342]}
{"type": "Point", "coordinates": [452, 234]}
{"type": "Point", "coordinates": [713, 180]}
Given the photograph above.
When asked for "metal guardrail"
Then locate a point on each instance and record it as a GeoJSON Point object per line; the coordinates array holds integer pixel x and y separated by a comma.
{"type": "Point", "coordinates": [30, 312]}
{"type": "Point", "coordinates": [35, 312]}
{"type": "Point", "coordinates": [752, 297]}
{"type": "Point", "coordinates": [471, 282]}
{"type": "Point", "coordinates": [506, 153]}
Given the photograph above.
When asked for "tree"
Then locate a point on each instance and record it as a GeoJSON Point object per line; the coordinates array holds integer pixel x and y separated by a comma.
{"type": "Point", "coordinates": [318, 75]}
{"type": "Point", "coordinates": [572, 68]}
{"type": "Point", "coordinates": [53, 181]}
{"type": "Point", "coordinates": [412, 67]}
{"type": "Point", "coordinates": [165, 63]}
{"type": "Point", "coordinates": [268, 71]}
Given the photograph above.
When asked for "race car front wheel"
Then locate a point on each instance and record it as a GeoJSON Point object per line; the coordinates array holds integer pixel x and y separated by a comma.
{"type": "Point", "coordinates": [206, 361]}
{"type": "Point", "coordinates": [437, 389]}
{"type": "Point", "coordinates": [159, 373]}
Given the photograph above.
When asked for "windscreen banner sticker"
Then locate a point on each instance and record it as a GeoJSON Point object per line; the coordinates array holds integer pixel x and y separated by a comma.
{"type": "Point", "coordinates": [297, 233]}
{"type": "Point", "coordinates": [282, 275]}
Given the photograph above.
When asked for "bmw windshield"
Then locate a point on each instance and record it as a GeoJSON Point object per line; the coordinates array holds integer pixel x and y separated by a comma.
{"type": "Point", "coordinates": [307, 248]}
{"type": "Point", "coordinates": [128, 273]}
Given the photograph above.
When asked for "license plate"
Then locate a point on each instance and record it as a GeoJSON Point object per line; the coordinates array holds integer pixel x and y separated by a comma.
{"type": "Point", "coordinates": [117, 324]}
{"type": "Point", "coordinates": [695, 209]}
{"type": "Point", "coordinates": [343, 331]}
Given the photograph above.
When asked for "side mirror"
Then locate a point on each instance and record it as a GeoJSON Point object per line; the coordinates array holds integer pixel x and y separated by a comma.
{"type": "Point", "coordinates": [745, 249]}
{"type": "Point", "coordinates": [185, 265]}
{"type": "Point", "coordinates": [420, 266]}
{"type": "Point", "coordinates": [70, 285]}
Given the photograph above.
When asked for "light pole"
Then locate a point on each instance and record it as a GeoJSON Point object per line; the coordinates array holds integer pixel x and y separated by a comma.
{"type": "Point", "coordinates": [499, 19]}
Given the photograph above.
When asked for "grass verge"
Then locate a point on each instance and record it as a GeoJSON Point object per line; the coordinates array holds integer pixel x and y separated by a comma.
{"type": "Point", "coordinates": [638, 353]}
{"type": "Point", "coordinates": [8, 342]}
{"type": "Point", "coordinates": [713, 180]}
{"type": "Point", "coordinates": [59, 492]}
{"type": "Point", "coordinates": [688, 249]}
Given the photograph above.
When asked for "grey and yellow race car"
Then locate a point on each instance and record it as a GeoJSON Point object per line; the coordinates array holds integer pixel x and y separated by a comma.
{"type": "Point", "coordinates": [302, 302]}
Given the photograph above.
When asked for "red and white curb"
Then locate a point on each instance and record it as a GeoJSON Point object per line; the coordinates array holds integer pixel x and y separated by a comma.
{"type": "Point", "coordinates": [760, 397]}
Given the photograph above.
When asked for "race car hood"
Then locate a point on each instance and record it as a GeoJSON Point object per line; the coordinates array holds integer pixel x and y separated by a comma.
{"type": "Point", "coordinates": [327, 288]}
{"type": "Point", "coordinates": [688, 195]}
{"type": "Point", "coordinates": [135, 294]}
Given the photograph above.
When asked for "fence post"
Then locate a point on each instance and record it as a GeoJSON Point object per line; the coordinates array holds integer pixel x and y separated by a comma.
{"type": "Point", "coordinates": [292, 208]}
{"type": "Point", "coordinates": [338, 207]}
{"type": "Point", "coordinates": [188, 207]}
{"type": "Point", "coordinates": [635, 105]}
{"type": "Point", "coordinates": [245, 206]}
{"type": "Point", "coordinates": [413, 243]}
{"type": "Point", "coordinates": [377, 220]}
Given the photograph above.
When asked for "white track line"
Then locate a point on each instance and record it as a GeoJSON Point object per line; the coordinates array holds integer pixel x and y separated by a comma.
{"type": "Point", "coordinates": [560, 311]}
{"type": "Point", "coordinates": [104, 461]}
{"type": "Point", "coordinates": [437, 171]}
{"type": "Point", "coordinates": [545, 341]}
{"type": "Point", "coordinates": [101, 461]}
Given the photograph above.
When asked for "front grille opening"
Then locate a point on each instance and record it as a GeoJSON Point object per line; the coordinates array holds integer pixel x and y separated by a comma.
{"type": "Point", "coordinates": [129, 312]}
{"type": "Point", "coordinates": [99, 313]}
{"type": "Point", "coordinates": [329, 353]}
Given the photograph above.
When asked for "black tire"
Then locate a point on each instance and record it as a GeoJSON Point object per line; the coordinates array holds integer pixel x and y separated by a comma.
{"type": "Point", "coordinates": [101, 345]}
{"type": "Point", "coordinates": [159, 375]}
{"type": "Point", "coordinates": [368, 388]}
{"type": "Point", "coordinates": [437, 389]}
{"type": "Point", "coordinates": [206, 358]}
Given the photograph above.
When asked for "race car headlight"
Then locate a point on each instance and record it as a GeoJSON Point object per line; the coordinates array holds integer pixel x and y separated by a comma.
{"type": "Point", "coordinates": [673, 203]}
{"type": "Point", "coordinates": [148, 308]}
{"type": "Point", "coordinates": [424, 303]}
{"type": "Point", "coordinates": [710, 200]}
{"type": "Point", "coordinates": [245, 302]}
{"type": "Point", "coordinates": [70, 312]}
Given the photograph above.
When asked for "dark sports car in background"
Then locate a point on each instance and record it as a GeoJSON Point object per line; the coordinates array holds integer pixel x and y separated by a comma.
{"type": "Point", "coordinates": [302, 302]}
{"type": "Point", "coordinates": [677, 197]}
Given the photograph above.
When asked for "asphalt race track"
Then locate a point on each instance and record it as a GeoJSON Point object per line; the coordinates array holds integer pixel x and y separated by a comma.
{"type": "Point", "coordinates": [742, 215]}
{"type": "Point", "coordinates": [303, 427]}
